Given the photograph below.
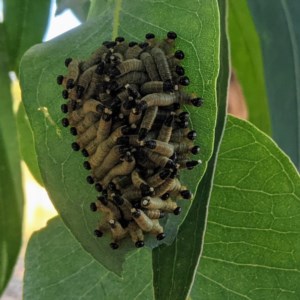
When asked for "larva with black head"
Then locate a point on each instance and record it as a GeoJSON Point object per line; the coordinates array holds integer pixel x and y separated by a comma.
{"type": "Point", "coordinates": [129, 121]}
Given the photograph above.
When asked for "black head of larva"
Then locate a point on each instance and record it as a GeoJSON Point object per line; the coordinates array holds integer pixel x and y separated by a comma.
{"type": "Point", "coordinates": [132, 44]}
{"type": "Point", "coordinates": [192, 135]}
{"type": "Point", "coordinates": [98, 187]}
{"type": "Point", "coordinates": [90, 180]}
{"type": "Point", "coordinates": [70, 83]}
{"type": "Point", "coordinates": [119, 39]}
{"type": "Point", "coordinates": [112, 108]}
{"type": "Point", "coordinates": [184, 80]}
{"type": "Point", "coordinates": [197, 102]}
{"type": "Point", "coordinates": [93, 207]}
{"type": "Point", "coordinates": [140, 244]}
{"type": "Point", "coordinates": [177, 211]}
{"type": "Point", "coordinates": [85, 153]}
{"type": "Point", "coordinates": [73, 131]}
{"type": "Point", "coordinates": [144, 45]}
{"type": "Point", "coordinates": [98, 233]}
{"type": "Point", "coordinates": [179, 70]}
{"type": "Point", "coordinates": [171, 35]}
{"type": "Point", "coordinates": [75, 146]}
{"type": "Point", "coordinates": [67, 61]}
{"type": "Point", "coordinates": [195, 150]}
{"type": "Point", "coordinates": [186, 194]}
{"type": "Point", "coordinates": [179, 54]}
{"type": "Point", "coordinates": [114, 246]}
{"type": "Point", "coordinates": [160, 236]}
{"type": "Point", "coordinates": [110, 45]}
{"type": "Point", "coordinates": [65, 122]}
{"type": "Point", "coordinates": [59, 79]}
{"type": "Point", "coordinates": [64, 108]}
{"type": "Point", "coordinates": [150, 36]}
{"type": "Point", "coordinates": [87, 165]}
{"type": "Point", "coordinates": [65, 94]}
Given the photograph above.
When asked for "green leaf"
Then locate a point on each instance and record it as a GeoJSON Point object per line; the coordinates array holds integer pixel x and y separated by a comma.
{"type": "Point", "coordinates": [11, 198]}
{"type": "Point", "coordinates": [61, 169]}
{"type": "Point", "coordinates": [25, 23]}
{"type": "Point", "coordinates": [247, 63]}
{"type": "Point", "coordinates": [278, 25]}
{"type": "Point", "coordinates": [252, 239]}
{"type": "Point", "coordinates": [27, 144]}
{"type": "Point", "coordinates": [56, 267]}
{"type": "Point", "coordinates": [182, 256]}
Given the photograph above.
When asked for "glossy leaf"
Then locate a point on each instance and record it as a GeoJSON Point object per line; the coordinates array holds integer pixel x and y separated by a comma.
{"type": "Point", "coordinates": [27, 144]}
{"type": "Point", "coordinates": [25, 24]}
{"type": "Point", "coordinates": [246, 59]}
{"type": "Point", "coordinates": [252, 240]}
{"type": "Point", "coordinates": [79, 275]}
{"type": "Point", "coordinates": [182, 256]}
{"type": "Point", "coordinates": [278, 25]}
{"type": "Point", "coordinates": [61, 169]}
{"type": "Point", "coordinates": [11, 197]}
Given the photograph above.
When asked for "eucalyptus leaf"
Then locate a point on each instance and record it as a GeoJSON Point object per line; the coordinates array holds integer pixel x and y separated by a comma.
{"type": "Point", "coordinates": [278, 25]}
{"type": "Point", "coordinates": [61, 169]}
{"type": "Point", "coordinates": [182, 256]}
{"type": "Point", "coordinates": [56, 267]}
{"type": "Point", "coordinates": [247, 63]}
{"type": "Point", "coordinates": [11, 197]}
{"type": "Point", "coordinates": [25, 23]}
{"type": "Point", "coordinates": [27, 144]}
{"type": "Point", "coordinates": [252, 239]}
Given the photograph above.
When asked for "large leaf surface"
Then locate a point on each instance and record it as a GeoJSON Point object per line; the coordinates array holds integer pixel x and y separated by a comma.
{"type": "Point", "coordinates": [11, 197]}
{"type": "Point", "coordinates": [247, 63]}
{"type": "Point", "coordinates": [61, 169]}
{"type": "Point", "coordinates": [252, 240]}
{"type": "Point", "coordinates": [58, 268]}
{"type": "Point", "coordinates": [25, 22]}
{"type": "Point", "coordinates": [182, 256]}
{"type": "Point", "coordinates": [278, 25]}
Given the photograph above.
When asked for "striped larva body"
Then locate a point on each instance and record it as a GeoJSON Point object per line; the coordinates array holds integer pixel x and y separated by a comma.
{"type": "Point", "coordinates": [87, 136]}
{"type": "Point", "coordinates": [158, 178]}
{"type": "Point", "coordinates": [154, 213]}
{"type": "Point", "coordinates": [150, 66]}
{"type": "Point", "coordinates": [95, 58]}
{"type": "Point", "coordinates": [131, 78]}
{"type": "Point", "coordinates": [161, 64]}
{"type": "Point", "coordinates": [166, 130]}
{"type": "Point", "coordinates": [84, 80]}
{"type": "Point", "coordinates": [147, 122]}
{"type": "Point", "coordinates": [124, 205]}
{"type": "Point", "coordinates": [111, 160]}
{"type": "Point", "coordinates": [157, 203]}
{"type": "Point", "coordinates": [108, 208]}
{"type": "Point", "coordinates": [160, 147]}
{"type": "Point", "coordinates": [130, 65]}
{"type": "Point", "coordinates": [73, 73]}
{"type": "Point", "coordinates": [134, 50]}
{"type": "Point", "coordinates": [104, 147]}
{"type": "Point", "coordinates": [124, 168]}
{"type": "Point", "coordinates": [151, 87]}
{"type": "Point", "coordinates": [136, 234]}
{"type": "Point", "coordinates": [118, 232]}
{"type": "Point", "coordinates": [89, 119]}
{"type": "Point", "coordinates": [159, 160]}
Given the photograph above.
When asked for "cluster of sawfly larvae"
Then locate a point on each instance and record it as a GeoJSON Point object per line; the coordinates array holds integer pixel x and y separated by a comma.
{"type": "Point", "coordinates": [124, 105]}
